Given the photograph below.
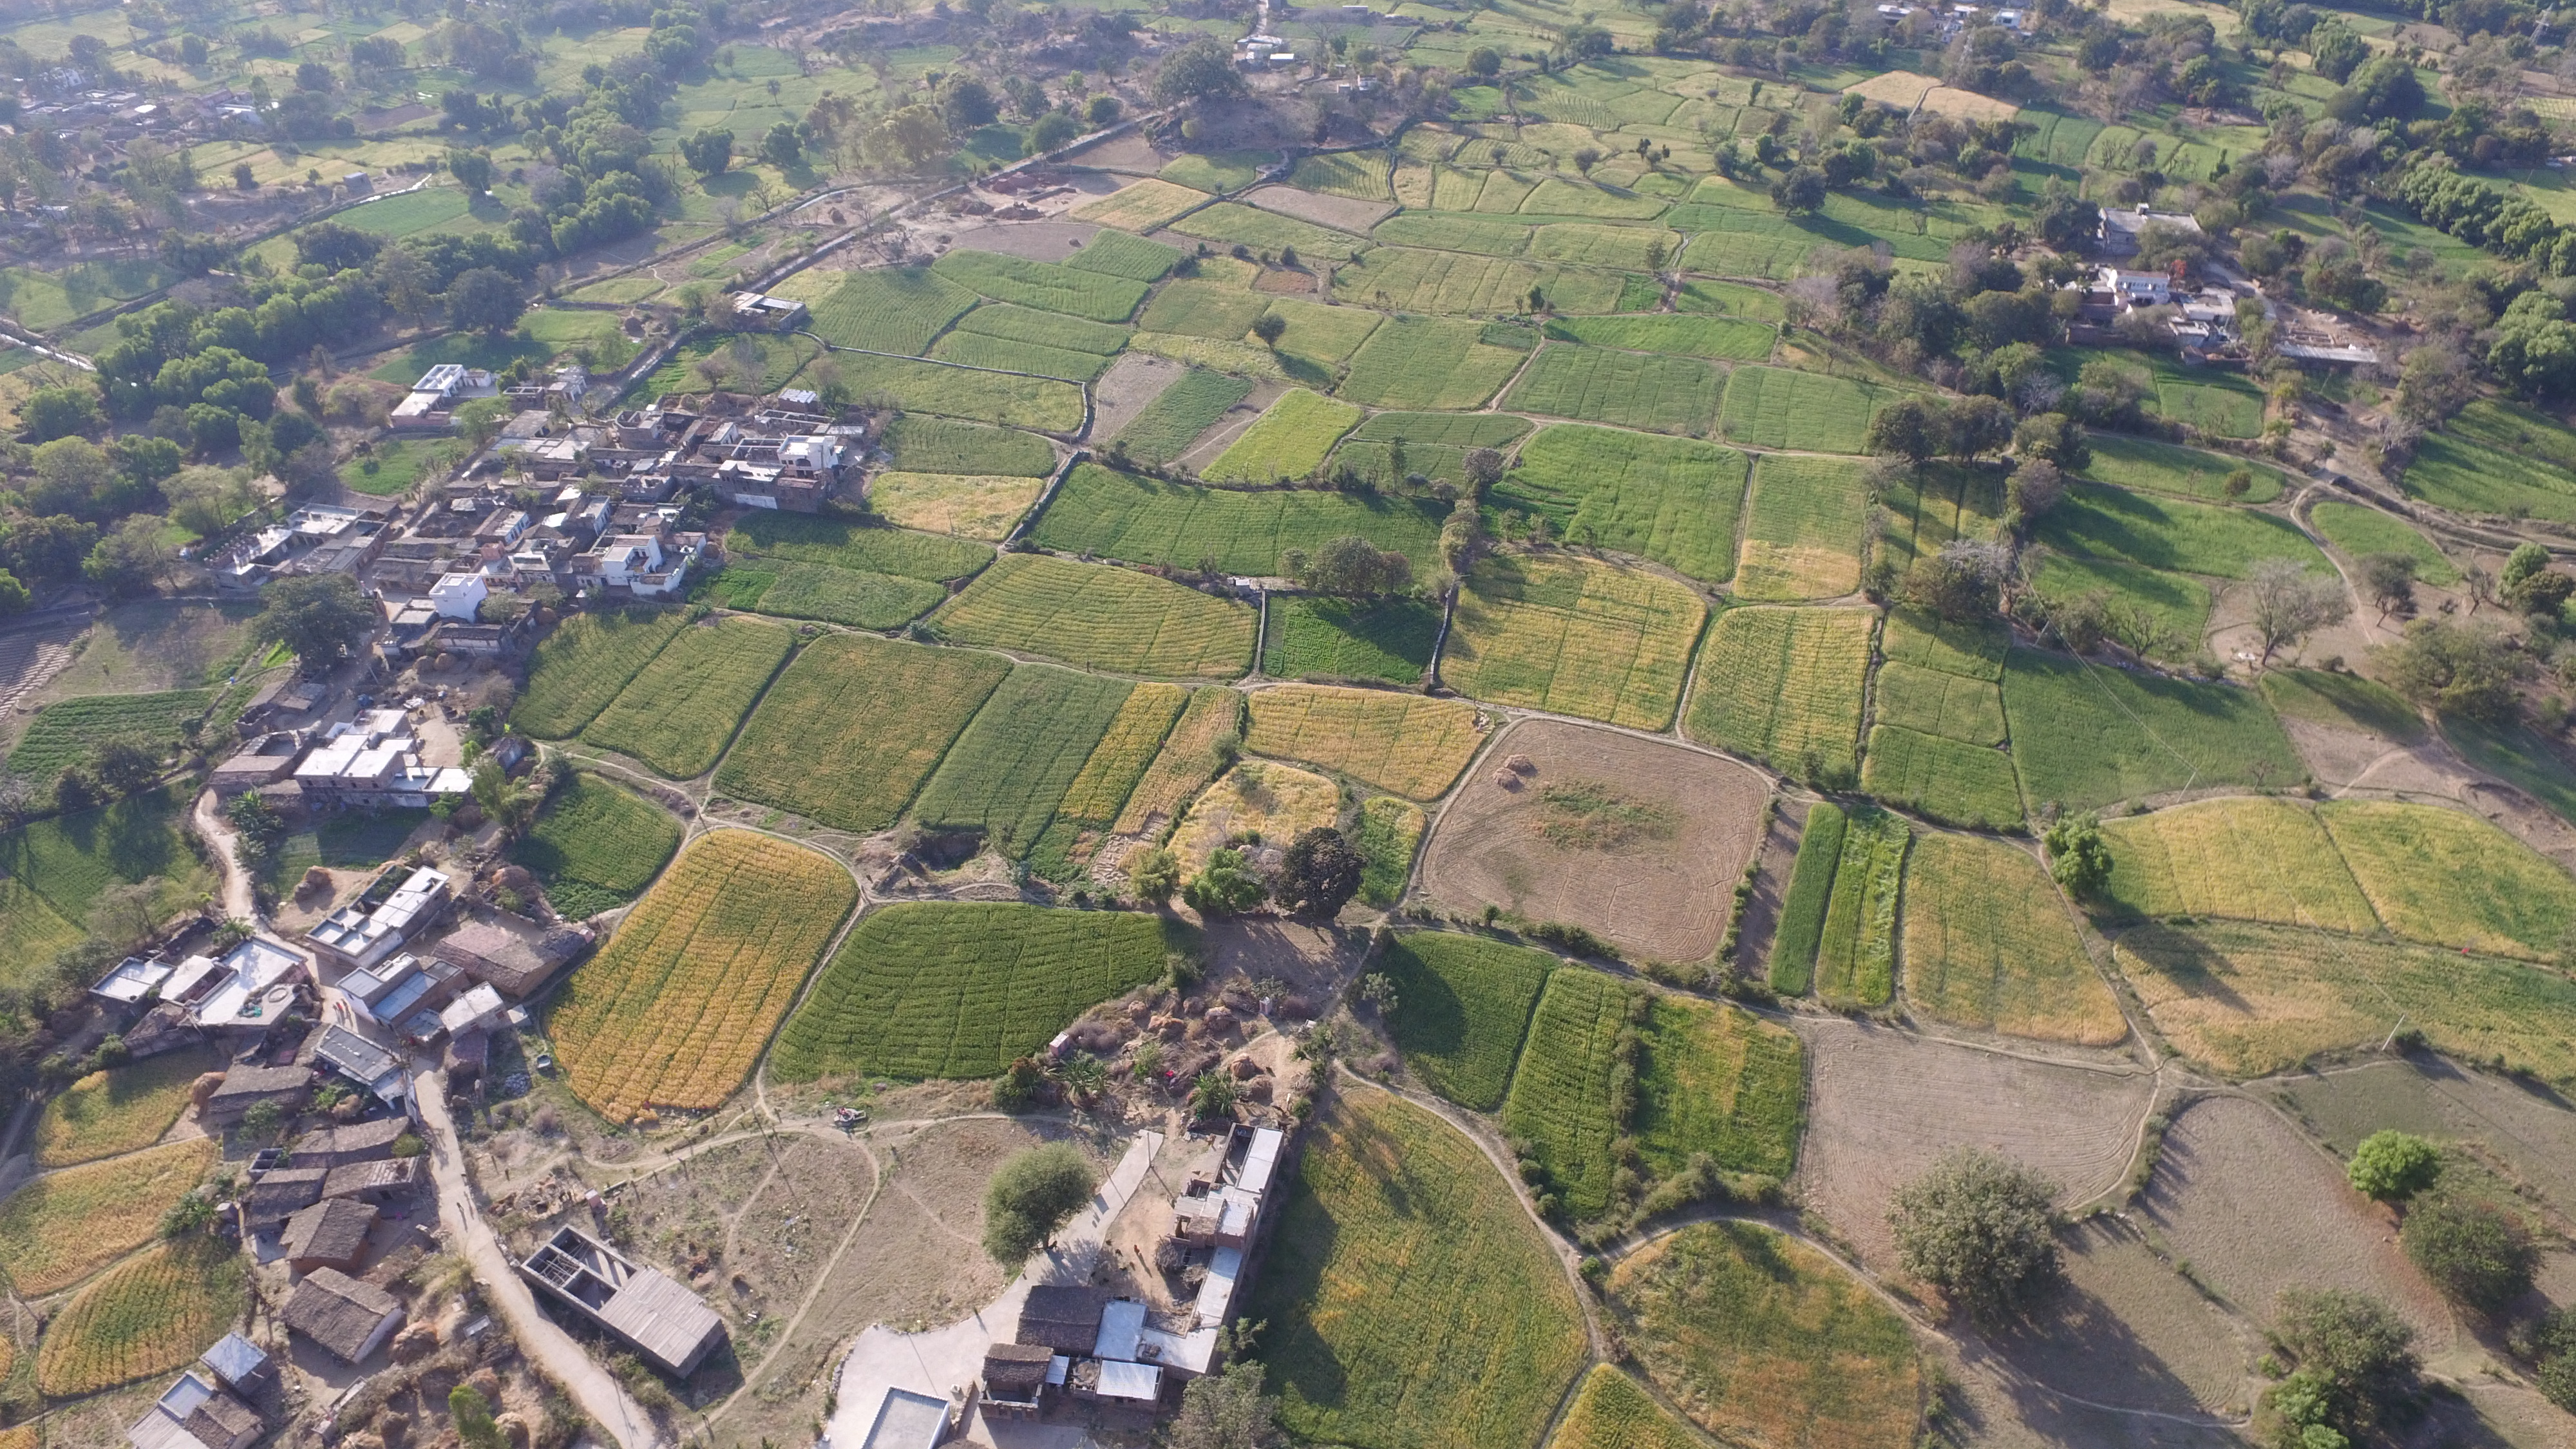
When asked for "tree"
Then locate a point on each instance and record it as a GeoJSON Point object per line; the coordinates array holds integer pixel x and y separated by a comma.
{"type": "Point", "coordinates": [2553, 1343]}
{"type": "Point", "coordinates": [1102, 111]}
{"type": "Point", "coordinates": [1226, 886]}
{"type": "Point", "coordinates": [472, 169]}
{"type": "Point", "coordinates": [2289, 603]}
{"type": "Point", "coordinates": [1270, 328]}
{"type": "Point", "coordinates": [2528, 583]}
{"type": "Point", "coordinates": [1911, 428]}
{"type": "Point", "coordinates": [1800, 189]}
{"type": "Point", "coordinates": [334, 247]}
{"type": "Point", "coordinates": [1228, 1410]}
{"type": "Point", "coordinates": [2357, 1352]}
{"type": "Point", "coordinates": [485, 299]}
{"type": "Point", "coordinates": [126, 764]}
{"type": "Point", "coordinates": [1485, 62]}
{"type": "Point", "coordinates": [1155, 874]}
{"type": "Point", "coordinates": [472, 1414]}
{"type": "Point", "coordinates": [1589, 42]}
{"type": "Point", "coordinates": [14, 599]}
{"type": "Point", "coordinates": [1979, 1227]}
{"type": "Point", "coordinates": [2034, 489]}
{"type": "Point", "coordinates": [2389, 579]}
{"type": "Point", "coordinates": [969, 104]}
{"type": "Point", "coordinates": [205, 500]}
{"type": "Point", "coordinates": [2078, 857]}
{"type": "Point", "coordinates": [708, 152]}
{"type": "Point", "coordinates": [245, 179]}
{"type": "Point", "coordinates": [1320, 873]}
{"type": "Point", "coordinates": [59, 412]}
{"type": "Point", "coordinates": [130, 559]}
{"type": "Point", "coordinates": [2392, 1166]}
{"type": "Point", "coordinates": [1053, 129]}
{"type": "Point", "coordinates": [321, 618]}
{"type": "Point", "coordinates": [1200, 71]}
{"type": "Point", "coordinates": [2335, 51]}
{"type": "Point", "coordinates": [191, 1215]}
{"type": "Point", "coordinates": [781, 148]}
{"type": "Point", "coordinates": [73, 475]}
{"type": "Point", "coordinates": [1978, 426]}
{"type": "Point", "coordinates": [1962, 583]}
{"type": "Point", "coordinates": [1352, 567]}
{"type": "Point", "coordinates": [1030, 1195]}
{"type": "Point", "coordinates": [511, 803]}
{"type": "Point", "coordinates": [2479, 1256]}
{"type": "Point", "coordinates": [2459, 669]}
{"type": "Point", "coordinates": [2055, 438]}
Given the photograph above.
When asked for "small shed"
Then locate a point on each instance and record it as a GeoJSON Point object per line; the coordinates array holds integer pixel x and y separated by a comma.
{"type": "Point", "coordinates": [1061, 1317]}
{"type": "Point", "coordinates": [245, 1087]}
{"type": "Point", "coordinates": [240, 1365]}
{"type": "Point", "coordinates": [1015, 1377]}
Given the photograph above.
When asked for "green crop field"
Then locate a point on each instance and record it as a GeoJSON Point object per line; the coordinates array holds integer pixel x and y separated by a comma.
{"type": "Point", "coordinates": [2451, 879]}
{"type": "Point", "coordinates": [1463, 1004]}
{"type": "Point", "coordinates": [2496, 458]}
{"type": "Point", "coordinates": [767, 364]}
{"type": "Point", "coordinates": [681, 710]}
{"type": "Point", "coordinates": [2165, 468]}
{"type": "Point", "coordinates": [1784, 685]}
{"type": "Point", "coordinates": [53, 871]}
{"type": "Point", "coordinates": [1636, 248]}
{"type": "Point", "coordinates": [1388, 833]}
{"type": "Point", "coordinates": [1933, 702]}
{"type": "Point", "coordinates": [1727, 339]}
{"type": "Point", "coordinates": [1667, 499]}
{"type": "Point", "coordinates": [1716, 1079]}
{"type": "Point", "coordinates": [65, 733]}
{"type": "Point", "coordinates": [1390, 447]}
{"type": "Point", "coordinates": [1810, 412]}
{"type": "Point", "coordinates": [985, 507]}
{"type": "Point", "coordinates": [1288, 441]}
{"type": "Point", "coordinates": [1612, 1412]}
{"type": "Point", "coordinates": [1174, 420]}
{"type": "Point", "coordinates": [961, 989]}
{"type": "Point", "coordinates": [2164, 533]}
{"type": "Point", "coordinates": [940, 445]}
{"type": "Point", "coordinates": [116, 1110]}
{"type": "Point", "coordinates": [2216, 403]}
{"type": "Point", "coordinates": [1732, 299]}
{"type": "Point", "coordinates": [1942, 779]}
{"type": "Point", "coordinates": [1043, 329]}
{"type": "Point", "coordinates": [2177, 605]}
{"type": "Point", "coordinates": [1945, 502]}
{"type": "Point", "coordinates": [596, 845]}
{"type": "Point", "coordinates": [2085, 736]}
{"type": "Point", "coordinates": [1630, 389]}
{"type": "Point", "coordinates": [1856, 954]}
{"type": "Point", "coordinates": [1559, 1107]}
{"type": "Point", "coordinates": [855, 544]}
{"type": "Point", "coordinates": [1455, 284]}
{"type": "Point", "coordinates": [819, 591]}
{"type": "Point", "coordinates": [2342, 701]}
{"type": "Point", "coordinates": [977, 349]}
{"type": "Point", "coordinates": [889, 309]}
{"type": "Point", "coordinates": [1218, 170]}
{"type": "Point", "coordinates": [1320, 336]}
{"type": "Point", "coordinates": [1485, 236]}
{"type": "Point", "coordinates": [849, 731]}
{"type": "Point", "coordinates": [2252, 859]}
{"type": "Point", "coordinates": [1404, 743]}
{"type": "Point", "coordinates": [1202, 743]}
{"type": "Point", "coordinates": [1204, 309]}
{"type": "Point", "coordinates": [1133, 258]}
{"type": "Point", "coordinates": [1929, 641]}
{"type": "Point", "coordinates": [1314, 637]}
{"type": "Point", "coordinates": [148, 1315]}
{"type": "Point", "coordinates": [1126, 748]}
{"type": "Point", "coordinates": [1043, 285]}
{"type": "Point", "coordinates": [1478, 1349]}
{"type": "Point", "coordinates": [2360, 531]}
{"type": "Point", "coordinates": [1987, 945]}
{"type": "Point", "coordinates": [2249, 1000]}
{"type": "Point", "coordinates": [1358, 174]}
{"type": "Point", "coordinates": [1011, 767]}
{"type": "Point", "coordinates": [1101, 618]}
{"type": "Point", "coordinates": [1802, 528]}
{"type": "Point", "coordinates": [1045, 404]}
{"type": "Point", "coordinates": [2519, 754]}
{"type": "Point", "coordinates": [1231, 223]}
{"type": "Point", "coordinates": [1761, 1339]}
{"type": "Point", "coordinates": [1578, 636]}
{"type": "Point", "coordinates": [1428, 363]}
{"type": "Point", "coordinates": [1792, 968]}
{"type": "Point", "coordinates": [1143, 520]}
{"type": "Point", "coordinates": [584, 664]}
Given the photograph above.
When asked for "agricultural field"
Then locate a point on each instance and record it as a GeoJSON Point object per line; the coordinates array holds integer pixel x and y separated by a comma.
{"type": "Point", "coordinates": [1246, 531]}
{"type": "Point", "coordinates": [2496, 458]}
{"type": "Point", "coordinates": [1408, 280]}
{"type": "Point", "coordinates": [943, 445]}
{"type": "Point", "coordinates": [1626, 389]}
{"type": "Point", "coordinates": [1802, 528]}
{"type": "Point", "coordinates": [1041, 329]}
{"type": "Point", "coordinates": [1714, 1078]}
{"type": "Point", "coordinates": [1936, 702]}
{"type": "Point", "coordinates": [1101, 618]}
{"type": "Point", "coordinates": [1321, 337]}
{"type": "Point", "coordinates": [1011, 767]}
{"type": "Point", "coordinates": [1942, 779]}
{"type": "Point", "coordinates": [66, 1225]}
{"type": "Point", "coordinates": [1125, 256]}
{"type": "Point", "coordinates": [1612, 1412]}
{"type": "Point", "coordinates": [1463, 1005]}
{"type": "Point", "coordinates": [1671, 500]}
{"type": "Point", "coordinates": [1784, 686]}
{"type": "Point", "coordinates": [1943, 503]}
{"type": "Point", "coordinates": [1208, 309]}
{"type": "Point", "coordinates": [855, 545]}
{"type": "Point", "coordinates": [2342, 702]}
{"type": "Point", "coordinates": [148, 1315]}
{"type": "Point", "coordinates": [1047, 286]}
{"type": "Point", "coordinates": [2164, 533]}
{"type": "Point", "coordinates": [1806, 412]}
{"type": "Point", "coordinates": [1174, 420]}
{"type": "Point", "coordinates": [1988, 946]}
{"type": "Point", "coordinates": [2144, 463]}
{"type": "Point", "coordinates": [2086, 736]}
{"type": "Point", "coordinates": [1856, 954]}
{"type": "Point", "coordinates": [681, 710]}
{"type": "Point", "coordinates": [1402, 743]}
{"type": "Point", "coordinates": [2360, 531]}
{"type": "Point", "coordinates": [1389, 448]}
{"type": "Point", "coordinates": [1004, 354]}
{"type": "Point", "coordinates": [1126, 750]}
{"type": "Point", "coordinates": [1387, 835]}
{"type": "Point", "coordinates": [1476, 1353]}
{"type": "Point", "coordinates": [64, 733]}
{"type": "Point", "coordinates": [1767, 1341]}
{"type": "Point", "coordinates": [672, 1012]}
{"type": "Point", "coordinates": [1801, 930]}
{"type": "Point", "coordinates": [53, 871]}
{"type": "Point", "coordinates": [584, 664]}
{"type": "Point", "coordinates": [1428, 364]}
{"type": "Point", "coordinates": [2449, 878]}
{"type": "Point", "coordinates": [850, 730]}
{"type": "Point", "coordinates": [1560, 1103]}
{"type": "Point", "coordinates": [2244, 858]}
{"type": "Point", "coordinates": [1725, 339]}
{"type": "Point", "coordinates": [1048, 405]}
{"type": "Point", "coordinates": [1146, 205]}
{"type": "Point", "coordinates": [2175, 605]}
{"type": "Point", "coordinates": [1578, 636]}
{"type": "Point", "coordinates": [961, 505]}
{"type": "Point", "coordinates": [1311, 636]}
{"type": "Point", "coordinates": [961, 989]}
{"type": "Point", "coordinates": [1928, 641]}
{"type": "Point", "coordinates": [2249, 1000]}
{"type": "Point", "coordinates": [1257, 798]}
{"type": "Point", "coordinates": [1192, 754]}
{"type": "Point", "coordinates": [1231, 223]}
{"type": "Point", "coordinates": [116, 1109]}
{"type": "Point", "coordinates": [790, 590]}
{"type": "Point", "coordinates": [596, 845]}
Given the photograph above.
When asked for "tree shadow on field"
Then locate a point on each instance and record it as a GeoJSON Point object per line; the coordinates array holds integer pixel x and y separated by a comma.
{"type": "Point", "coordinates": [2187, 963]}
{"type": "Point", "coordinates": [2073, 1342]}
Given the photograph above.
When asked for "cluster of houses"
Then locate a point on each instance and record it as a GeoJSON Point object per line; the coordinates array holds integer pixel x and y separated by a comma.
{"type": "Point", "coordinates": [373, 762]}
{"type": "Point", "coordinates": [2203, 319]}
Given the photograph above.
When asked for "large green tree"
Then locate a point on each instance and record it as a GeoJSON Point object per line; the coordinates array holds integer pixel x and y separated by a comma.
{"type": "Point", "coordinates": [322, 618]}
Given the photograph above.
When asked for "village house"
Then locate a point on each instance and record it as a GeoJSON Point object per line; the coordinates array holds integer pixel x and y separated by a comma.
{"type": "Point", "coordinates": [329, 1234]}
{"type": "Point", "coordinates": [644, 1308]}
{"type": "Point", "coordinates": [374, 762]}
{"type": "Point", "coordinates": [264, 761]}
{"type": "Point", "coordinates": [342, 1144]}
{"type": "Point", "coordinates": [348, 1318]}
{"type": "Point", "coordinates": [431, 407]}
{"type": "Point", "coordinates": [246, 1086]}
{"type": "Point", "coordinates": [514, 962]}
{"type": "Point", "coordinates": [373, 927]}
{"type": "Point", "coordinates": [196, 1413]}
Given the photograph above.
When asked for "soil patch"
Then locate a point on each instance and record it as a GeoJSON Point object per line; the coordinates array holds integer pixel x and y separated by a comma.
{"type": "Point", "coordinates": [1637, 841]}
{"type": "Point", "coordinates": [1233, 425]}
{"type": "Point", "coordinates": [1999, 1407]}
{"type": "Point", "coordinates": [2531, 1131]}
{"type": "Point", "coordinates": [1130, 384]}
{"type": "Point", "coordinates": [1042, 241]}
{"type": "Point", "coordinates": [1342, 213]}
{"type": "Point", "coordinates": [1130, 152]}
{"type": "Point", "coordinates": [1309, 960]}
{"type": "Point", "coordinates": [2126, 1329]}
{"type": "Point", "coordinates": [1770, 883]}
{"type": "Point", "coordinates": [2255, 1210]}
{"type": "Point", "coordinates": [1882, 1104]}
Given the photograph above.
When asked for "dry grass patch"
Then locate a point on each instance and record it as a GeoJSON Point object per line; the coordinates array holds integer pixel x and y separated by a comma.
{"type": "Point", "coordinates": [1784, 686]}
{"type": "Point", "coordinates": [1579, 636]}
{"type": "Point", "coordinates": [962, 505]}
{"type": "Point", "coordinates": [1101, 618]}
{"type": "Point", "coordinates": [1144, 206]}
{"type": "Point", "coordinates": [1802, 528]}
{"type": "Point", "coordinates": [2448, 877]}
{"type": "Point", "coordinates": [1987, 944]}
{"type": "Point", "coordinates": [1612, 1412]}
{"type": "Point", "coordinates": [118, 1110]}
{"type": "Point", "coordinates": [66, 1225]}
{"type": "Point", "coordinates": [1274, 801]}
{"type": "Point", "coordinates": [1191, 756]}
{"type": "Point", "coordinates": [1403, 743]}
{"type": "Point", "coordinates": [2250, 858]}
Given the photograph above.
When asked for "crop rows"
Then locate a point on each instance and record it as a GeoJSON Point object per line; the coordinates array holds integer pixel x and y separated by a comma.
{"type": "Point", "coordinates": [1629, 389]}
{"type": "Point", "coordinates": [677, 1005]}
{"type": "Point", "coordinates": [1463, 1005]}
{"type": "Point", "coordinates": [1257, 799]}
{"type": "Point", "coordinates": [1125, 750]}
{"type": "Point", "coordinates": [1311, 637]}
{"type": "Point", "coordinates": [1612, 1412]}
{"type": "Point", "coordinates": [1174, 420]}
{"type": "Point", "coordinates": [1943, 779]}
{"type": "Point", "coordinates": [1928, 641]}
{"type": "Point", "coordinates": [64, 733]}
{"type": "Point", "coordinates": [1802, 528]}
{"type": "Point", "coordinates": [889, 309]}
{"type": "Point", "coordinates": [584, 664]}
{"type": "Point", "coordinates": [845, 543]}
{"type": "Point", "coordinates": [2166, 533]}
{"type": "Point", "coordinates": [2451, 879]}
{"type": "Point", "coordinates": [1045, 404]}
{"type": "Point", "coordinates": [1945, 502]}
{"type": "Point", "coordinates": [595, 846]}
{"type": "Point", "coordinates": [1142, 206]}
{"type": "Point", "coordinates": [941, 445]}
{"type": "Point", "coordinates": [1358, 174]}
{"type": "Point", "coordinates": [1856, 957]}
{"type": "Point", "coordinates": [1988, 946]}
{"type": "Point", "coordinates": [146, 1316]}
{"type": "Point", "coordinates": [960, 990]}
{"type": "Point", "coordinates": [1288, 441]}
{"type": "Point", "coordinates": [1810, 412]}
{"type": "Point", "coordinates": [2085, 736]}
{"type": "Point", "coordinates": [2177, 603]}
{"type": "Point", "coordinates": [681, 711]}
{"type": "Point", "coordinates": [1105, 618]}
{"type": "Point", "coordinates": [1319, 335]}
{"type": "Point", "coordinates": [66, 1225]}
{"type": "Point", "coordinates": [1560, 1102]}
{"type": "Point", "coordinates": [2250, 858]}
{"type": "Point", "coordinates": [1726, 339]}
{"type": "Point", "coordinates": [1133, 258]}
{"type": "Point", "coordinates": [1801, 930]}
{"type": "Point", "coordinates": [1455, 284]}
{"type": "Point", "coordinates": [976, 349]}
{"type": "Point", "coordinates": [1402, 743]}
{"type": "Point", "coordinates": [962, 505]}
{"type": "Point", "coordinates": [1603, 246]}
{"type": "Point", "coordinates": [1388, 833]}
{"type": "Point", "coordinates": [1668, 499]}
{"type": "Point", "coordinates": [1204, 309]}
{"type": "Point", "coordinates": [1488, 237]}
{"type": "Point", "coordinates": [1011, 766]}
{"type": "Point", "coordinates": [1231, 223]}
{"type": "Point", "coordinates": [117, 1109]}
{"type": "Point", "coordinates": [1716, 1079]}
{"type": "Point", "coordinates": [850, 730]}
{"type": "Point", "coordinates": [1935, 702]}
{"type": "Point", "coordinates": [1043, 329]}
{"type": "Point", "coordinates": [1784, 685]}
{"type": "Point", "coordinates": [2360, 531]}
{"type": "Point", "coordinates": [1600, 640]}
{"type": "Point", "coordinates": [2164, 468]}
{"type": "Point", "coordinates": [1043, 285]}
{"type": "Point", "coordinates": [1190, 757]}
{"type": "Point", "coordinates": [65, 863]}
{"type": "Point", "coordinates": [1428, 363]}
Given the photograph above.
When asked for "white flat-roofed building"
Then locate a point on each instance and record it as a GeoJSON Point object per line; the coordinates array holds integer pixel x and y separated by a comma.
{"type": "Point", "coordinates": [459, 596]}
{"type": "Point", "coordinates": [250, 986]}
{"type": "Point", "coordinates": [360, 938]}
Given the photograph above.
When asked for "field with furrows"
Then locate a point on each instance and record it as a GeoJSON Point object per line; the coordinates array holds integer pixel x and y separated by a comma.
{"type": "Point", "coordinates": [1400, 742]}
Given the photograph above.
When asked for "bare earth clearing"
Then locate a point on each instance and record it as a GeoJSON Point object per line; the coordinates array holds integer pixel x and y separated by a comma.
{"type": "Point", "coordinates": [2126, 1329]}
{"type": "Point", "coordinates": [1040, 241]}
{"type": "Point", "coordinates": [1344, 213]}
{"type": "Point", "coordinates": [1130, 384]}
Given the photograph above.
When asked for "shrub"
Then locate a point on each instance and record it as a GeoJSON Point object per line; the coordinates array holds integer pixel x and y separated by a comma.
{"type": "Point", "coordinates": [1030, 1196]}
{"type": "Point", "coordinates": [2077, 855]}
{"type": "Point", "coordinates": [1227, 887]}
{"type": "Point", "coordinates": [2553, 1343]}
{"type": "Point", "coordinates": [2474, 1252]}
{"type": "Point", "coordinates": [2355, 1349]}
{"type": "Point", "coordinates": [1980, 1228]}
{"type": "Point", "coordinates": [2393, 1166]}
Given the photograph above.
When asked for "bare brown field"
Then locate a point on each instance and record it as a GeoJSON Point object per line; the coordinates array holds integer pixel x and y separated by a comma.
{"type": "Point", "coordinates": [2531, 1130]}
{"type": "Point", "coordinates": [1637, 841]}
{"type": "Point", "coordinates": [1882, 1104]}
{"type": "Point", "coordinates": [2127, 1330]}
{"type": "Point", "coordinates": [2254, 1210]}
{"type": "Point", "coordinates": [1131, 383]}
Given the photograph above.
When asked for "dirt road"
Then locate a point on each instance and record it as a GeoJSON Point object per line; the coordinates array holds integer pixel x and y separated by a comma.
{"type": "Point", "coordinates": [238, 900]}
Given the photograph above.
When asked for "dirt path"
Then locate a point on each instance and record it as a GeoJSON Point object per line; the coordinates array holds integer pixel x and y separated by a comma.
{"type": "Point", "coordinates": [239, 901]}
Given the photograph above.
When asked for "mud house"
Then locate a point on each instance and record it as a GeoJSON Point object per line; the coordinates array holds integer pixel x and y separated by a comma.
{"type": "Point", "coordinates": [512, 961]}
{"type": "Point", "coordinates": [196, 1413]}
{"type": "Point", "coordinates": [329, 1234]}
{"type": "Point", "coordinates": [644, 1308]}
{"type": "Point", "coordinates": [338, 1146]}
{"type": "Point", "coordinates": [348, 1318]}
{"type": "Point", "coordinates": [245, 1086]}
